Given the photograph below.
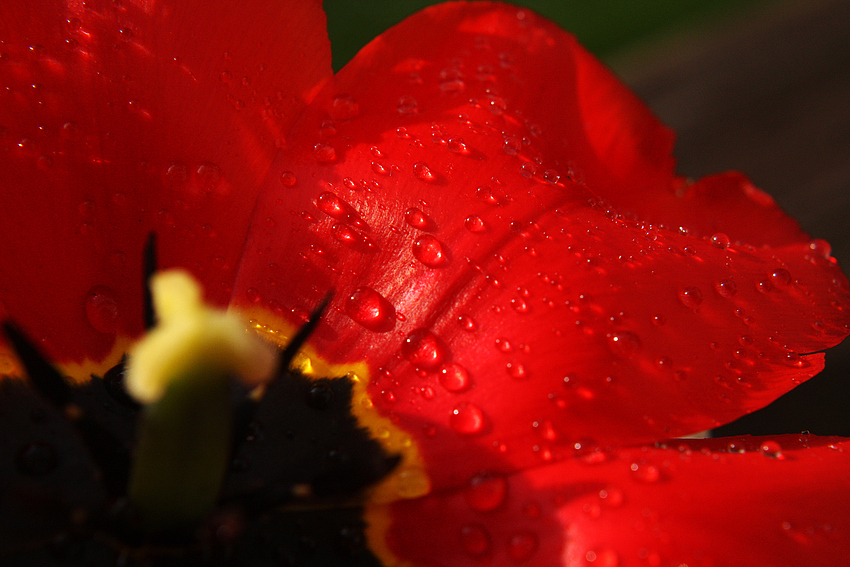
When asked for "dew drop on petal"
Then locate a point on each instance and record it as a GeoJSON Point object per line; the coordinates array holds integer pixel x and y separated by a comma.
{"type": "Point", "coordinates": [407, 105]}
{"type": "Point", "coordinates": [643, 472]}
{"type": "Point", "coordinates": [486, 492]}
{"type": "Point", "coordinates": [416, 218]}
{"type": "Point", "coordinates": [690, 297]}
{"type": "Point", "coordinates": [430, 251]}
{"type": "Point", "coordinates": [423, 349]}
{"type": "Point", "coordinates": [330, 204]}
{"type": "Point", "coordinates": [511, 146]}
{"type": "Point", "coordinates": [457, 145]}
{"type": "Point", "coordinates": [370, 309]}
{"type": "Point", "coordinates": [780, 278]}
{"type": "Point", "coordinates": [324, 153]}
{"type": "Point", "coordinates": [288, 179]}
{"type": "Point", "coordinates": [467, 419]}
{"type": "Point", "coordinates": [467, 323]}
{"type": "Point", "coordinates": [343, 107]}
{"type": "Point", "coordinates": [771, 449]}
{"type": "Point", "coordinates": [474, 223]}
{"type": "Point", "coordinates": [102, 309]}
{"type": "Point", "coordinates": [475, 540]}
{"type": "Point", "coordinates": [423, 172]}
{"type": "Point", "coordinates": [551, 176]}
{"type": "Point", "coordinates": [820, 248]}
{"type": "Point", "coordinates": [726, 288]}
{"type": "Point", "coordinates": [454, 377]}
{"type": "Point", "coordinates": [522, 546]}
{"type": "Point", "coordinates": [719, 240]}
{"type": "Point", "coordinates": [602, 558]}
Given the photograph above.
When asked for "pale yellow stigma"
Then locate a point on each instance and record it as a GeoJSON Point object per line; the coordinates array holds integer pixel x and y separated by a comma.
{"type": "Point", "coordinates": [193, 342]}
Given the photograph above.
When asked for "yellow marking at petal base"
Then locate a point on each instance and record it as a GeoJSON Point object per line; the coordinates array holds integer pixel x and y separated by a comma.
{"type": "Point", "coordinates": [77, 372]}
{"type": "Point", "coordinates": [378, 521]}
{"type": "Point", "coordinates": [409, 479]}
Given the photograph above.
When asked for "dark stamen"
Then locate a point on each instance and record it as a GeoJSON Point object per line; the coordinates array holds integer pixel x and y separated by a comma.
{"type": "Point", "coordinates": [304, 332]}
{"type": "Point", "coordinates": [44, 378]}
{"type": "Point", "coordinates": [148, 270]}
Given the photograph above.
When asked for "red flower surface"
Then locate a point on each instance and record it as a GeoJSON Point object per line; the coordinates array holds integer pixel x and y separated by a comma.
{"type": "Point", "coordinates": [526, 293]}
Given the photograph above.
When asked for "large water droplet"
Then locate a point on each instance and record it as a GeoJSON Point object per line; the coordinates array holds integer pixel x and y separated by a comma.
{"type": "Point", "coordinates": [690, 297]}
{"type": "Point", "coordinates": [454, 377]}
{"type": "Point", "coordinates": [343, 107]}
{"type": "Point", "coordinates": [431, 252]}
{"type": "Point", "coordinates": [417, 219]}
{"type": "Point", "coordinates": [467, 419]}
{"type": "Point", "coordinates": [102, 309]}
{"type": "Point", "coordinates": [330, 204]}
{"type": "Point", "coordinates": [457, 145]}
{"type": "Point", "coordinates": [370, 309]}
{"type": "Point", "coordinates": [719, 240]}
{"type": "Point", "coordinates": [324, 153]}
{"type": "Point", "coordinates": [486, 492]}
{"type": "Point", "coordinates": [474, 223]}
{"type": "Point", "coordinates": [772, 449]}
{"type": "Point", "coordinates": [423, 349]}
{"type": "Point", "coordinates": [726, 288]}
{"type": "Point", "coordinates": [423, 172]}
{"type": "Point", "coordinates": [780, 278]}
{"type": "Point", "coordinates": [407, 105]}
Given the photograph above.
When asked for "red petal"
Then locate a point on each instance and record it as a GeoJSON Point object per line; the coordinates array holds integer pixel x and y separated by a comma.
{"type": "Point", "coordinates": [498, 301]}
{"type": "Point", "coordinates": [123, 118]}
{"type": "Point", "coordinates": [733, 502]}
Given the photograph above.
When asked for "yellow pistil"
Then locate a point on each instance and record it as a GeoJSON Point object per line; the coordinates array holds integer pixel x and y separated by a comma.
{"type": "Point", "coordinates": [193, 341]}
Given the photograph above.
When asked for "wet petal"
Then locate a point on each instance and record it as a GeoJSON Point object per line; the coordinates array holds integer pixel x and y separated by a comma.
{"type": "Point", "coordinates": [739, 501]}
{"type": "Point", "coordinates": [117, 119]}
{"type": "Point", "coordinates": [485, 272]}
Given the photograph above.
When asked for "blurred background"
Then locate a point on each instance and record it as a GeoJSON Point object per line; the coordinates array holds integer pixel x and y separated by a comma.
{"type": "Point", "coordinates": [761, 86]}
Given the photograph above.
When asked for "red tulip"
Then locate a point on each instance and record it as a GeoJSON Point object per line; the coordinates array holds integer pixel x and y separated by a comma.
{"type": "Point", "coordinates": [527, 296]}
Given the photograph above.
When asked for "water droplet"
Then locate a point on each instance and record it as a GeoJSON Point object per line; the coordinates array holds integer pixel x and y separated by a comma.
{"type": "Point", "coordinates": [343, 107]}
{"type": "Point", "coordinates": [324, 153]}
{"type": "Point", "coordinates": [467, 323]}
{"type": "Point", "coordinates": [528, 170]}
{"type": "Point", "coordinates": [726, 288]}
{"type": "Point", "coordinates": [551, 176]}
{"type": "Point", "coordinates": [511, 146]}
{"type": "Point", "coordinates": [430, 251]}
{"type": "Point", "coordinates": [102, 309]}
{"type": "Point", "coordinates": [36, 459]}
{"type": "Point", "coordinates": [423, 172]}
{"type": "Point", "coordinates": [771, 449]}
{"type": "Point", "coordinates": [423, 349]}
{"type": "Point", "coordinates": [820, 248]}
{"type": "Point", "coordinates": [417, 219]}
{"type": "Point", "coordinates": [764, 286]}
{"type": "Point", "coordinates": [381, 169]}
{"type": "Point", "coordinates": [486, 194]}
{"type": "Point", "coordinates": [496, 105]}
{"type": "Point", "coordinates": [623, 344]}
{"type": "Point", "coordinates": [467, 419]}
{"type": "Point", "coordinates": [690, 297]}
{"type": "Point", "coordinates": [719, 240]}
{"type": "Point", "coordinates": [516, 370]}
{"type": "Point", "coordinates": [454, 377]}
{"type": "Point", "coordinates": [474, 223]}
{"type": "Point", "coordinates": [457, 145]}
{"type": "Point", "coordinates": [208, 177]}
{"type": "Point", "coordinates": [644, 472]}
{"type": "Point", "coordinates": [407, 105]}
{"type": "Point", "coordinates": [370, 309]}
{"type": "Point", "coordinates": [288, 179]}
{"type": "Point", "coordinates": [520, 305]}
{"type": "Point", "coordinates": [486, 492]}
{"type": "Point", "coordinates": [330, 204]}
{"type": "Point", "coordinates": [475, 540]}
{"type": "Point", "coordinates": [780, 278]}
{"type": "Point", "coordinates": [522, 546]}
